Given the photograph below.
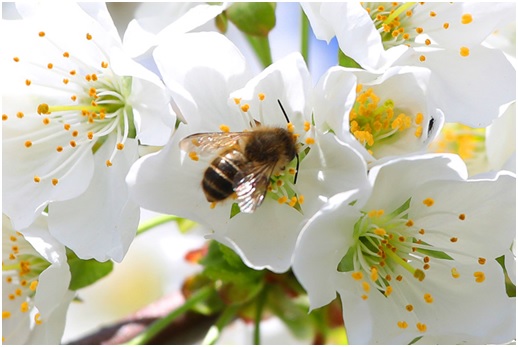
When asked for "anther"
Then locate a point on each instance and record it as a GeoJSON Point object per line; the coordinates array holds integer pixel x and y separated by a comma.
{"type": "Point", "coordinates": [428, 298]}
{"type": "Point", "coordinates": [28, 82]}
{"type": "Point", "coordinates": [481, 261]}
{"type": "Point", "coordinates": [479, 276]}
{"type": "Point", "coordinates": [16, 59]}
{"type": "Point", "coordinates": [28, 144]}
{"type": "Point", "coordinates": [409, 308]}
{"type": "Point", "coordinates": [237, 101]}
{"type": "Point", "coordinates": [422, 58]}
{"type": "Point", "coordinates": [193, 156]}
{"type": "Point", "coordinates": [261, 96]}
{"type": "Point", "coordinates": [108, 163]}
{"type": "Point", "coordinates": [46, 121]}
{"type": "Point", "coordinates": [466, 18]}
{"type": "Point", "coordinates": [310, 141]}
{"type": "Point", "coordinates": [421, 327]}
{"type": "Point", "coordinates": [72, 143]}
{"type": "Point", "coordinates": [245, 108]}
{"type": "Point", "coordinates": [428, 202]}
{"type": "Point", "coordinates": [50, 66]}
{"type": "Point", "coordinates": [402, 324]}
{"type": "Point", "coordinates": [462, 216]}
{"type": "Point", "coordinates": [88, 36]}
{"type": "Point", "coordinates": [282, 199]}
{"type": "Point", "coordinates": [464, 51]}
{"type": "Point", "coordinates": [454, 239]}
{"type": "Point", "coordinates": [455, 273]}
{"type": "Point", "coordinates": [55, 181]}
{"type": "Point", "coordinates": [224, 128]}
{"type": "Point", "coordinates": [66, 55]}
{"type": "Point", "coordinates": [37, 179]}
{"type": "Point", "coordinates": [59, 148]}
{"type": "Point", "coordinates": [357, 275]}
{"type": "Point", "coordinates": [41, 34]}
{"type": "Point", "coordinates": [104, 65]}
{"type": "Point", "coordinates": [5, 117]}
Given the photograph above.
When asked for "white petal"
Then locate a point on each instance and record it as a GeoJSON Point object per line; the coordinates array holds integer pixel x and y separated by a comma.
{"type": "Point", "coordinates": [501, 140]}
{"type": "Point", "coordinates": [265, 238]}
{"type": "Point", "coordinates": [456, 87]}
{"type": "Point", "coordinates": [330, 167]}
{"type": "Point", "coordinates": [202, 76]}
{"type": "Point", "coordinates": [102, 222]}
{"type": "Point", "coordinates": [322, 243]}
{"type": "Point", "coordinates": [488, 205]}
{"type": "Point", "coordinates": [321, 27]}
{"type": "Point", "coordinates": [335, 95]}
{"type": "Point", "coordinates": [395, 180]}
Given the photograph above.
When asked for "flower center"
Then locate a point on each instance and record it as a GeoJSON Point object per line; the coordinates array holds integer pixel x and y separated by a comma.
{"type": "Point", "coordinates": [88, 104]}
{"type": "Point", "coordinates": [392, 20]}
{"type": "Point", "coordinates": [388, 254]}
{"type": "Point", "coordinates": [468, 143]}
{"type": "Point", "coordinates": [374, 123]}
{"type": "Point", "coordinates": [21, 269]}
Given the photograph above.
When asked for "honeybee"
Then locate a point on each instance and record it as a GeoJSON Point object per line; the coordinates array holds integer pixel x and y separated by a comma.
{"type": "Point", "coordinates": [244, 162]}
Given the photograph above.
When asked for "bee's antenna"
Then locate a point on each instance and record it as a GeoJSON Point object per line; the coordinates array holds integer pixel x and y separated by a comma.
{"type": "Point", "coordinates": [296, 154]}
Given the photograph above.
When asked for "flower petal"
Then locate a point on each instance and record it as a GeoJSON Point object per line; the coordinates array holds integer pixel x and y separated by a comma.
{"type": "Point", "coordinates": [107, 231]}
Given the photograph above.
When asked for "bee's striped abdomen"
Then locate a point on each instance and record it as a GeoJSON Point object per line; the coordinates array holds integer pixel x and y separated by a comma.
{"type": "Point", "coordinates": [218, 180]}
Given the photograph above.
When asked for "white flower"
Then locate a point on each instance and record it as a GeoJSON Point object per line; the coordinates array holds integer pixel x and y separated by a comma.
{"type": "Point", "coordinates": [35, 279]}
{"type": "Point", "coordinates": [75, 109]}
{"type": "Point", "coordinates": [417, 257]}
{"type": "Point", "coordinates": [380, 115]}
{"type": "Point", "coordinates": [501, 140]}
{"type": "Point", "coordinates": [444, 37]}
{"type": "Point", "coordinates": [169, 181]}
{"type": "Point", "coordinates": [155, 22]}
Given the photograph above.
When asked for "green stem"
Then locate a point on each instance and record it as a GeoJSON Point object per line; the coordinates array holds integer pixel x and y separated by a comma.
{"type": "Point", "coordinates": [304, 36]}
{"type": "Point", "coordinates": [154, 222]}
{"type": "Point", "coordinates": [261, 299]}
{"type": "Point", "coordinates": [214, 332]}
{"type": "Point", "coordinates": [261, 47]}
{"type": "Point", "coordinates": [160, 324]}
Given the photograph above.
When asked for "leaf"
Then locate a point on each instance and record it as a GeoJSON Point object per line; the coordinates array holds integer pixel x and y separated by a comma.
{"type": "Point", "coordinates": [86, 272]}
{"type": "Point", "coordinates": [346, 264]}
{"type": "Point", "coordinates": [253, 18]}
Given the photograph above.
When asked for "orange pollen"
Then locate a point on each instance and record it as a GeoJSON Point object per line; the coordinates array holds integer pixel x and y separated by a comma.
{"type": "Point", "coordinates": [37, 179]}
{"type": "Point", "coordinates": [75, 133]}
{"type": "Point", "coordinates": [454, 239]}
{"type": "Point", "coordinates": [462, 216]}
{"type": "Point", "coordinates": [402, 324]}
{"type": "Point", "coordinates": [28, 82]}
{"type": "Point", "coordinates": [104, 65]}
{"type": "Point", "coordinates": [446, 25]}
{"type": "Point", "coordinates": [66, 126]}
{"type": "Point", "coordinates": [455, 273]}
{"type": "Point", "coordinates": [427, 42]}
{"type": "Point", "coordinates": [479, 276]}
{"type": "Point", "coordinates": [419, 30]}
{"type": "Point", "coordinates": [5, 117]}
{"type": "Point", "coordinates": [28, 144]}
{"type": "Point", "coordinates": [466, 18]}
{"type": "Point", "coordinates": [73, 143]}
{"type": "Point", "coordinates": [41, 34]}
{"type": "Point", "coordinates": [464, 51]}
{"type": "Point", "coordinates": [50, 66]}
{"type": "Point", "coordinates": [88, 36]}
{"type": "Point", "coordinates": [245, 107]}
{"type": "Point", "coordinates": [481, 261]}
{"type": "Point", "coordinates": [428, 202]}
{"type": "Point", "coordinates": [409, 308]}
{"type": "Point", "coordinates": [59, 148]}
{"type": "Point", "coordinates": [16, 59]}
{"type": "Point", "coordinates": [108, 163]}
{"type": "Point", "coordinates": [72, 72]}
{"type": "Point", "coordinates": [120, 146]}
{"type": "Point", "coordinates": [55, 181]}
{"type": "Point", "coordinates": [46, 121]}
{"type": "Point", "coordinates": [428, 298]}
{"type": "Point", "coordinates": [261, 96]}
{"type": "Point", "coordinates": [421, 327]}
{"type": "Point", "coordinates": [66, 55]}
{"type": "Point", "coordinates": [422, 58]}
{"type": "Point", "coordinates": [433, 14]}
{"type": "Point", "coordinates": [73, 97]}
{"type": "Point", "coordinates": [90, 135]}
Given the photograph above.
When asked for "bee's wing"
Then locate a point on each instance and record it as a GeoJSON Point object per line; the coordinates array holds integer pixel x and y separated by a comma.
{"type": "Point", "coordinates": [210, 143]}
{"type": "Point", "coordinates": [251, 186]}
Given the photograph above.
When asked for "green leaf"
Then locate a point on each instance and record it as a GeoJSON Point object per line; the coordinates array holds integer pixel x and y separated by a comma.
{"type": "Point", "coordinates": [221, 263]}
{"type": "Point", "coordinates": [346, 264]}
{"type": "Point", "coordinates": [234, 210]}
{"type": "Point", "coordinates": [86, 272]}
{"type": "Point", "coordinates": [346, 61]}
{"type": "Point", "coordinates": [253, 18]}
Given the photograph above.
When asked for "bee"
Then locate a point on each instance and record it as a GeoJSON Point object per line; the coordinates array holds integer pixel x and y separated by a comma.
{"type": "Point", "coordinates": [244, 162]}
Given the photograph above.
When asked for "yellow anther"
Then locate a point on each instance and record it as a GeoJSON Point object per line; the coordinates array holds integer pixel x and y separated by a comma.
{"type": "Point", "coordinates": [245, 108]}
{"type": "Point", "coordinates": [20, 115]}
{"type": "Point", "coordinates": [419, 131]}
{"type": "Point", "coordinates": [28, 82]}
{"type": "Point", "coordinates": [290, 127]}
{"type": "Point", "coordinates": [479, 276]}
{"type": "Point", "coordinates": [402, 324]}
{"type": "Point", "coordinates": [28, 144]}
{"type": "Point", "coordinates": [464, 51]}
{"type": "Point", "coordinates": [374, 274]}
{"type": "Point", "coordinates": [428, 202]}
{"type": "Point", "coordinates": [366, 286]}
{"type": "Point", "coordinates": [419, 275]}
{"type": "Point", "coordinates": [24, 306]}
{"type": "Point", "coordinates": [224, 128]}
{"type": "Point", "coordinates": [388, 291]}
{"type": "Point", "coordinates": [108, 163]}
{"type": "Point", "coordinates": [6, 314]}
{"type": "Point", "coordinates": [88, 36]}
{"type": "Point", "coordinates": [37, 319]}
{"type": "Point", "coordinates": [428, 298]}
{"type": "Point", "coordinates": [433, 14]}
{"type": "Point", "coordinates": [455, 273]}
{"type": "Point", "coordinates": [73, 143]}
{"type": "Point", "coordinates": [37, 179]}
{"type": "Point", "coordinates": [307, 126]}
{"type": "Point", "coordinates": [309, 140]}
{"type": "Point", "coordinates": [120, 146]}
{"type": "Point", "coordinates": [293, 201]}
{"type": "Point", "coordinates": [104, 64]}
{"type": "Point", "coordinates": [66, 55]}
{"type": "Point", "coordinates": [282, 199]}
{"type": "Point", "coordinates": [380, 232]}
{"type": "Point", "coordinates": [237, 101]}
{"type": "Point", "coordinates": [194, 156]}
{"type": "Point", "coordinates": [462, 216]}
{"type": "Point", "coordinates": [409, 308]}
{"type": "Point", "coordinates": [421, 327]}
{"type": "Point", "coordinates": [357, 275]}
{"type": "Point", "coordinates": [34, 285]}
{"type": "Point", "coordinates": [55, 181]}
{"type": "Point", "coordinates": [16, 59]}
{"type": "Point", "coordinates": [301, 199]}
{"type": "Point", "coordinates": [72, 72]}
{"type": "Point", "coordinates": [419, 30]}
{"type": "Point", "coordinates": [409, 223]}
{"type": "Point", "coordinates": [212, 205]}
{"type": "Point", "coordinates": [454, 239]}
{"type": "Point", "coordinates": [261, 96]}
{"type": "Point", "coordinates": [446, 25]}
{"type": "Point", "coordinates": [41, 34]}
{"type": "Point", "coordinates": [481, 261]}
{"type": "Point", "coordinates": [364, 297]}
{"type": "Point", "coordinates": [466, 18]}
{"type": "Point", "coordinates": [5, 117]}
